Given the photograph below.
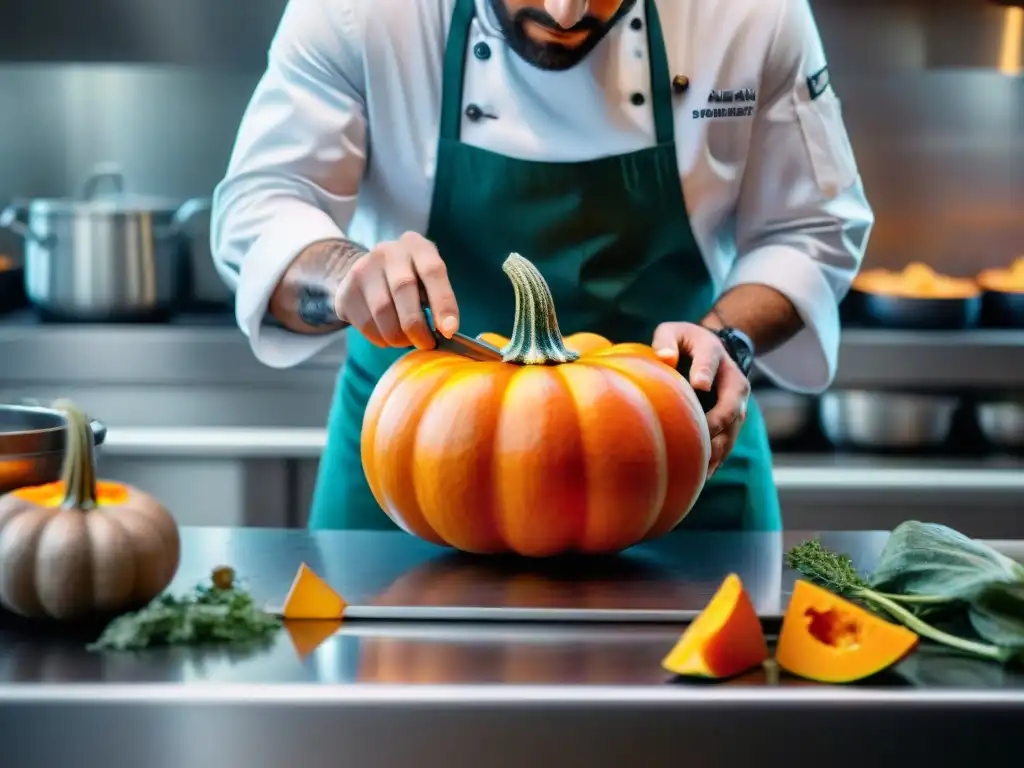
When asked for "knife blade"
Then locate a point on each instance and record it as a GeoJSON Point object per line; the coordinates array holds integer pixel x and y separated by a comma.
{"type": "Point", "coordinates": [464, 345]}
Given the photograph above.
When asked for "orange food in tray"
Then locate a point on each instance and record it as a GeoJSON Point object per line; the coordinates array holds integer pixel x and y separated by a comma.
{"type": "Point", "coordinates": [916, 281]}
{"type": "Point", "coordinates": [1007, 280]}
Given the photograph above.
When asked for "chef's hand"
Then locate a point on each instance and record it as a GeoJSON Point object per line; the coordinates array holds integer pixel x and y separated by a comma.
{"type": "Point", "coordinates": [380, 295]}
{"type": "Point", "coordinates": [711, 367]}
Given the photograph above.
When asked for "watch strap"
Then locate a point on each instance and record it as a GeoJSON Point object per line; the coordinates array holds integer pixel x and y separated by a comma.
{"type": "Point", "coordinates": [738, 346]}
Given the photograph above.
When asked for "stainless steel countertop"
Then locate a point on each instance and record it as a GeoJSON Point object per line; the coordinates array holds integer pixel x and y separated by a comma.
{"type": "Point", "coordinates": [385, 693]}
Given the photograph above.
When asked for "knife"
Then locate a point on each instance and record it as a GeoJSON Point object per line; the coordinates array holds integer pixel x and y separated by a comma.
{"type": "Point", "coordinates": [464, 345]}
{"type": "Point", "coordinates": [474, 349]}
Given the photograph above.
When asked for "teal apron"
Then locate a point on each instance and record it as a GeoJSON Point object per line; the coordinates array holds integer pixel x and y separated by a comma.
{"type": "Point", "coordinates": [613, 240]}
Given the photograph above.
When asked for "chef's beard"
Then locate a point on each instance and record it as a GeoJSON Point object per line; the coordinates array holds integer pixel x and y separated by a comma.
{"type": "Point", "coordinates": [552, 56]}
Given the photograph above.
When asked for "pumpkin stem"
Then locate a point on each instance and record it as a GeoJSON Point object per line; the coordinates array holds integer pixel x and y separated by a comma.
{"type": "Point", "coordinates": [536, 339]}
{"type": "Point", "coordinates": [79, 474]}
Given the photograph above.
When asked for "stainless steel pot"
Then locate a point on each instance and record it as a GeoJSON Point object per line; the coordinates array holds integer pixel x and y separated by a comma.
{"type": "Point", "coordinates": [786, 414]}
{"type": "Point", "coordinates": [887, 420]}
{"type": "Point", "coordinates": [1002, 423]}
{"type": "Point", "coordinates": [32, 445]}
{"type": "Point", "coordinates": [107, 256]}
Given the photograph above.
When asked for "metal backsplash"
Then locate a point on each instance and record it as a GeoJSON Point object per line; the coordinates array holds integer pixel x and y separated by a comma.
{"type": "Point", "coordinates": [935, 111]}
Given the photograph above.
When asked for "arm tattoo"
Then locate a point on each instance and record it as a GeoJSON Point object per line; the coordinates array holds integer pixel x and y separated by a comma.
{"type": "Point", "coordinates": [304, 298]}
{"type": "Point", "coordinates": [316, 306]}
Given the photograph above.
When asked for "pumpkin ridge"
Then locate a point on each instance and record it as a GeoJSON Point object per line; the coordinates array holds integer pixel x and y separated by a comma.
{"type": "Point", "coordinates": [438, 512]}
{"type": "Point", "coordinates": [125, 566]}
{"type": "Point", "coordinates": [655, 380]}
{"type": "Point", "coordinates": [539, 460]}
{"type": "Point", "coordinates": [72, 571]}
{"type": "Point", "coordinates": [615, 412]}
{"type": "Point", "coordinates": [406, 369]}
{"type": "Point", "coordinates": [26, 551]}
{"type": "Point", "coordinates": [166, 529]}
{"type": "Point", "coordinates": [657, 432]}
{"type": "Point", "coordinates": [392, 462]}
{"type": "Point", "coordinates": [121, 523]}
{"type": "Point", "coordinates": [581, 532]}
{"type": "Point", "coordinates": [142, 519]}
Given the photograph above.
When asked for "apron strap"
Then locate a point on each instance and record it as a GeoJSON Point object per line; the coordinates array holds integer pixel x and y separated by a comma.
{"type": "Point", "coordinates": [455, 60]}
{"type": "Point", "coordinates": [661, 80]}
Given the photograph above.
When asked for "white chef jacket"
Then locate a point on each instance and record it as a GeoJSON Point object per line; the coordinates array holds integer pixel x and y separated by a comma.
{"type": "Point", "coordinates": [340, 140]}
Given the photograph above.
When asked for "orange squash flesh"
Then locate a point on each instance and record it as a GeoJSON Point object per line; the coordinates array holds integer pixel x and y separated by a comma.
{"type": "Point", "coordinates": [830, 640]}
{"type": "Point", "coordinates": [725, 640]}
{"type": "Point", "coordinates": [310, 597]}
{"type": "Point", "coordinates": [307, 636]}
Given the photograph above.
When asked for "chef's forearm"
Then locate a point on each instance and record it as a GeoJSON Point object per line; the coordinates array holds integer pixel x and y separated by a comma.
{"type": "Point", "coordinates": [303, 301]}
{"type": "Point", "coordinates": [764, 314]}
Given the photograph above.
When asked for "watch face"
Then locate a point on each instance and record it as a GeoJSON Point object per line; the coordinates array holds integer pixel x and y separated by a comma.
{"type": "Point", "coordinates": [739, 348]}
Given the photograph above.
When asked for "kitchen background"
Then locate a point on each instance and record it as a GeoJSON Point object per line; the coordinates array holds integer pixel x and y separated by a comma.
{"type": "Point", "coordinates": [921, 422]}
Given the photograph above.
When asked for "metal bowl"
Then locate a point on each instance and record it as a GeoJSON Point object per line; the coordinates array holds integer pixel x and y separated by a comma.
{"type": "Point", "coordinates": [1002, 423]}
{"type": "Point", "coordinates": [862, 419]}
{"type": "Point", "coordinates": [32, 442]}
{"type": "Point", "coordinates": [786, 415]}
{"type": "Point", "coordinates": [1002, 309]}
{"type": "Point", "coordinates": [879, 310]}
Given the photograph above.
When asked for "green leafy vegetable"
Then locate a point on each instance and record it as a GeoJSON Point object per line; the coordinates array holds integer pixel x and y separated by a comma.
{"type": "Point", "coordinates": [997, 614]}
{"type": "Point", "coordinates": [218, 613]}
{"type": "Point", "coordinates": [992, 607]}
{"type": "Point", "coordinates": [930, 559]}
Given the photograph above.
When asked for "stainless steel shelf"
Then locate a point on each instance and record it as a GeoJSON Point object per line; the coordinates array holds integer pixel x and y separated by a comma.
{"type": "Point", "coordinates": [213, 352]}
{"type": "Point", "coordinates": [932, 360]}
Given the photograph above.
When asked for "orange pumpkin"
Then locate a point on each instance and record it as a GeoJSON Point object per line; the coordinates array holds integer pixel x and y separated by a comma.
{"type": "Point", "coordinates": [725, 640]}
{"type": "Point", "coordinates": [83, 547]}
{"type": "Point", "coordinates": [575, 445]}
{"type": "Point", "coordinates": [831, 640]}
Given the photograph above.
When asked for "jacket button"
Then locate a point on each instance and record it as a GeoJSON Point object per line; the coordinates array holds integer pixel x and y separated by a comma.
{"type": "Point", "coordinates": [482, 51]}
{"type": "Point", "coordinates": [474, 113]}
{"type": "Point", "coordinates": [637, 99]}
{"type": "Point", "coordinates": [680, 83]}
{"type": "Point", "coordinates": [636, 24]}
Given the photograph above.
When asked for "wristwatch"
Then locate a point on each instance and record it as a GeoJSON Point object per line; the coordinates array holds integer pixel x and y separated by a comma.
{"type": "Point", "coordinates": [738, 346]}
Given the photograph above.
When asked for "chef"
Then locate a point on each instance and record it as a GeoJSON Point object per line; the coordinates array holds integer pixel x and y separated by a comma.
{"type": "Point", "coordinates": [678, 170]}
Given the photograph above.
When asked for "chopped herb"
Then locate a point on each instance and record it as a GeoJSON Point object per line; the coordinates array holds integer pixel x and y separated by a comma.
{"type": "Point", "coordinates": [220, 613]}
{"type": "Point", "coordinates": [928, 570]}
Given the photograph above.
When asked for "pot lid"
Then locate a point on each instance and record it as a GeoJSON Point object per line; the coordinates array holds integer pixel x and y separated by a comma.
{"type": "Point", "coordinates": [107, 204]}
{"type": "Point", "coordinates": [104, 193]}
